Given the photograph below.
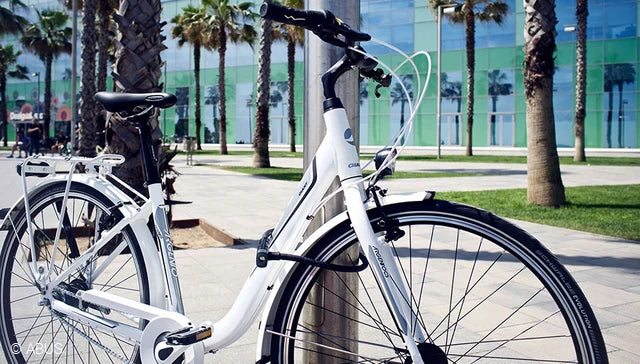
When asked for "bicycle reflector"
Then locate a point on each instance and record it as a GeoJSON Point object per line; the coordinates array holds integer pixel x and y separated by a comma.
{"type": "Point", "coordinates": [379, 159]}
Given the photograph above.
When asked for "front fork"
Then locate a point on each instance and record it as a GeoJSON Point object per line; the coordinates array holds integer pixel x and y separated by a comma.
{"type": "Point", "coordinates": [386, 271]}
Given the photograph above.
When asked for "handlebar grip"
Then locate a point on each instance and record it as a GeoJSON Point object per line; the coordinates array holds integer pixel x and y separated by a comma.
{"type": "Point", "coordinates": [309, 19]}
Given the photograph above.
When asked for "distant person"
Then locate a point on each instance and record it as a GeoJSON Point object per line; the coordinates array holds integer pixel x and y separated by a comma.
{"type": "Point", "coordinates": [34, 131]}
{"type": "Point", "coordinates": [60, 145]}
{"type": "Point", "coordinates": [22, 143]}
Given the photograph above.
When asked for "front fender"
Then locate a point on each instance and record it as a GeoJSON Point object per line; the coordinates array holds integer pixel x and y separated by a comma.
{"type": "Point", "coordinates": [264, 345]}
{"type": "Point", "coordinates": [128, 208]}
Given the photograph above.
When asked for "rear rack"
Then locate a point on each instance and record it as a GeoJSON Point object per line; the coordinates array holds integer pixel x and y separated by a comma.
{"type": "Point", "coordinates": [42, 166]}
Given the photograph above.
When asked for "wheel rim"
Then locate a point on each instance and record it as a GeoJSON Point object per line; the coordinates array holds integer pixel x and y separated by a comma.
{"type": "Point", "coordinates": [495, 299]}
{"type": "Point", "coordinates": [32, 333]}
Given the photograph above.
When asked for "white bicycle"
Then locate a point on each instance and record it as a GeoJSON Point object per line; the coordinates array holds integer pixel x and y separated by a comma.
{"type": "Point", "coordinates": [88, 272]}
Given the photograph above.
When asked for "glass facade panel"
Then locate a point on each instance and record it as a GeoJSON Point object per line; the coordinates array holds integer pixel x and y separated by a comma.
{"type": "Point", "coordinates": [399, 108]}
{"type": "Point", "coordinates": [450, 108]}
{"type": "Point", "coordinates": [278, 112]}
{"type": "Point", "coordinates": [620, 105]}
{"type": "Point", "coordinates": [211, 114]}
{"type": "Point", "coordinates": [364, 112]}
{"type": "Point", "coordinates": [389, 21]}
{"type": "Point", "coordinates": [244, 113]}
{"type": "Point", "coordinates": [182, 113]}
{"type": "Point", "coordinates": [620, 20]}
{"type": "Point", "coordinates": [501, 106]}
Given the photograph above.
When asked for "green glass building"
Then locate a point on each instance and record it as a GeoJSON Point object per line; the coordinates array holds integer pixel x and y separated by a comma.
{"type": "Point", "coordinates": [613, 90]}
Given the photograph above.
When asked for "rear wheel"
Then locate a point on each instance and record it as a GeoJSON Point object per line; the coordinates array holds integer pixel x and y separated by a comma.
{"type": "Point", "coordinates": [481, 289]}
{"type": "Point", "coordinates": [30, 331]}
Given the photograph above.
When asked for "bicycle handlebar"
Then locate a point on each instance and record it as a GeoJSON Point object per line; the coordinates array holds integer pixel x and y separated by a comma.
{"type": "Point", "coordinates": [321, 22]}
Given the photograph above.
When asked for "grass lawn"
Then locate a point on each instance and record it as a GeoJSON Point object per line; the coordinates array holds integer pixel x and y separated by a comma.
{"type": "Point", "coordinates": [595, 161]}
{"type": "Point", "coordinates": [607, 210]}
{"type": "Point", "coordinates": [295, 174]}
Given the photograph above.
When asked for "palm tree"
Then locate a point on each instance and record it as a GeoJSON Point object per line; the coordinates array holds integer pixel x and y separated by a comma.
{"type": "Point", "coordinates": [294, 36]}
{"type": "Point", "coordinates": [137, 68]}
{"type": "Point", "coordinates": [48, 39]}
{"type": "Point", "coordinates": [497, 87]}
{"type": "Point", "coordinates": [472, 10]}
{"type": "Point", "coordinates": [228, 22]}
{"type": "Point", "coordinates": [105, 35]}
{"type": "Point", "coordinates": [582, 11]}
{"type": "Point", "coordinates": [544, 182]}
{"type": "Point", "coordinates": [453, 91]}
{"type": "Point", "coordinates": [8, 57]}
{"type": "Point", "coordinates": [261, 136]}
{"type": "Point", "coordinates": [193, 26]}
{"type": "Point", "coordinates": [10, 23]}
{"type": "Point", "coordinates": [88, 127]}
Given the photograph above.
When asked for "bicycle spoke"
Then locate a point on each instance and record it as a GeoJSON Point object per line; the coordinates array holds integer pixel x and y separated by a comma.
{"type": "Point", "coordinates": [466, 292]}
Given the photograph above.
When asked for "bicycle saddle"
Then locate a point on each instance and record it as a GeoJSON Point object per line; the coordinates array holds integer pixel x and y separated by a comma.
{"type": "Point", "coordinates": [118, 101]}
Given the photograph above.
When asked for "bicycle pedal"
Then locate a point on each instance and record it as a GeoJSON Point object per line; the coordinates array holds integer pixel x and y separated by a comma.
{"type": "Point", "coordinates": [188, 335]}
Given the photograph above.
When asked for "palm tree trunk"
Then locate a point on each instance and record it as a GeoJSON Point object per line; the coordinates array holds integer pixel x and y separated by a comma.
{"type": "Point", "coordinates": [471, 66]}
{"type": "Point", "coordinates": [582, 11]}
{"type": "Point", "coordinates": [291, 64]}
{"type": "Point", "coordinates": [48, 61]}
{"type": "Point", "coordinates": [87, 141]}
{"type": "Point", "coordinates": [196, 71]}
{"type": "Point", "coordinates": [223, 98]}
{"type": "Point", "coordinates": [3, 106]}
{"type": "Point", "coordinates": [544, 182]}
{"type": "Point", "coordinates": [261, 138]}
{"type": "Point", "coordinates": [137, 69]}
{"type": "Point", "coordinates": [104, 14]}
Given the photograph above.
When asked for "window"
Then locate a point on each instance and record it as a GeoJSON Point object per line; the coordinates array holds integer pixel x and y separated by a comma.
{"type": "Point", "coordinates": [182, 112]}
{"type": "Point", "coordinates": [620, 20]}
{"type": "Point", "coordinates": [450, 108]}
{"type": "Point", "coordinates": [487, 34]}
{"type": "Point", "coordinates": [389, 21]}
{"type": "Point", "coordinates": [620, 105]}
{"type": "Point", "coordinates": [211, 115]}
{"type": "Point", "coordinates": [501, 106]}
{"type": "Point", "coordinates": [563, 105]}
{"type": "Point", "coordinates": [400, 111]}
{"type": "Point", "coordinates": [244, 113]}
{"type": "Point", "coordinates": [278, 102]}
{"type": "Point", "coordinates": [364, 112]}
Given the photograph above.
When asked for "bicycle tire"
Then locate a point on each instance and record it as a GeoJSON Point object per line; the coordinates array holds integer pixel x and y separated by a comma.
{"type": "Point", "coordinates": [32, 333]}
{"type": "Point", "coordinates": [557, 326]}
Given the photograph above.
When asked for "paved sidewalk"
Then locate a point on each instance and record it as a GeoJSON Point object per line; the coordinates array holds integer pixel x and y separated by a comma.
{"type": "Point", "coordinates": [607, 268]}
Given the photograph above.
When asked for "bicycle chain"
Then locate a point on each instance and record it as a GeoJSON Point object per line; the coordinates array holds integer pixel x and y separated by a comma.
{"type": "Point", "coordinates": [93, 341]}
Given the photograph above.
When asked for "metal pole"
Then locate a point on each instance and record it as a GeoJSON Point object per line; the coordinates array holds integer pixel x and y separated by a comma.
{"type": "Point", "coordinates": [319, 56]}
{"type": "Point", "coordinates": [74, 55]}
{"type": "Point", "coordinates": [438, 92]}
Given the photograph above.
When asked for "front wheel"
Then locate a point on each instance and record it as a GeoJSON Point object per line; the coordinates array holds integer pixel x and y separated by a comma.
{"type": "Point", "coordinates": [481, 289]}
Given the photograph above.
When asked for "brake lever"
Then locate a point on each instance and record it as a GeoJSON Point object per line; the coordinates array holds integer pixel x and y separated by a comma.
{"type": "Point", "coordinates": [378, 76]}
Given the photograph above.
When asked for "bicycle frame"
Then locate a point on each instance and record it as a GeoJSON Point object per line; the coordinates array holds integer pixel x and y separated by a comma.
{"type": "Point", "coordinates": [336, 156]}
